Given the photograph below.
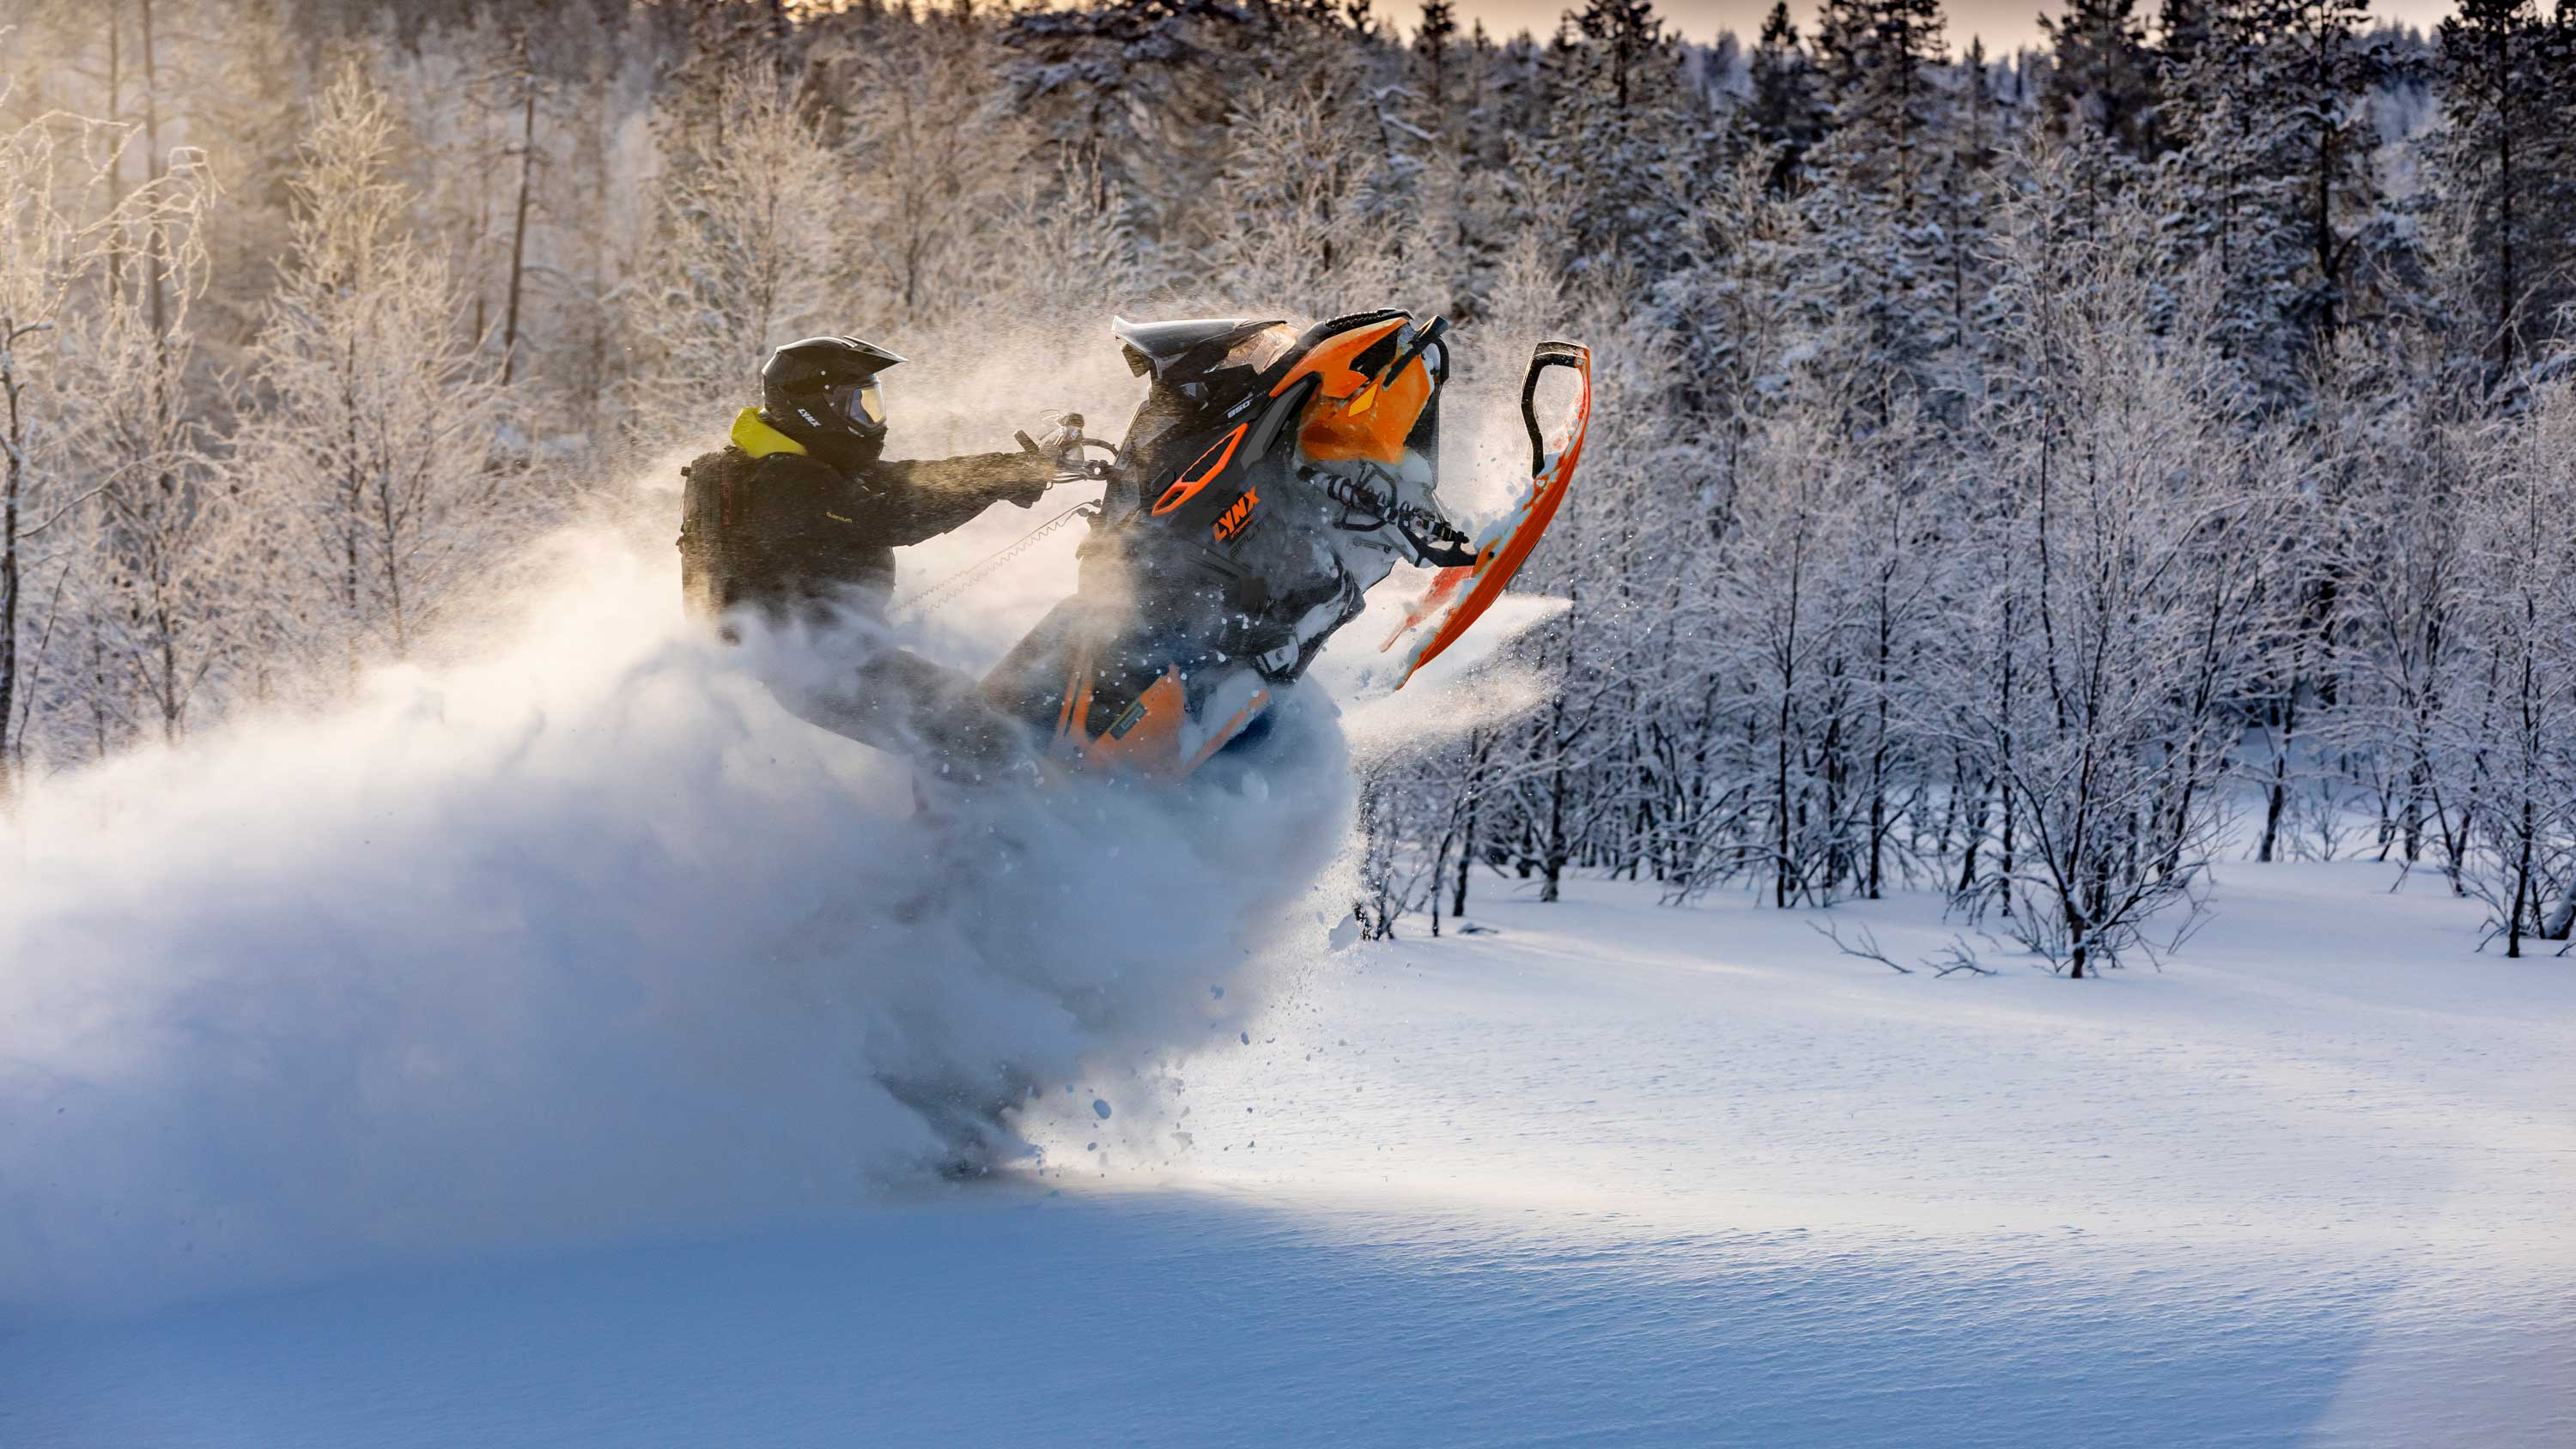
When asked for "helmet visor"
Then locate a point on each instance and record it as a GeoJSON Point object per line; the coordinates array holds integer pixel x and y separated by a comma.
{"type": "Point", "coordinates": [861, 403]}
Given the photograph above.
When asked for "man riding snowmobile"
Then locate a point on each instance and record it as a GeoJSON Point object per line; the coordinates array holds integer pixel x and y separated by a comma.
{"type": "Point", "coordinates": [798, 517]}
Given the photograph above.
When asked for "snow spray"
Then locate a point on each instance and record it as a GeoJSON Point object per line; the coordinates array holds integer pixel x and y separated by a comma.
{"type": "Point", "coordinates": [581, 939]}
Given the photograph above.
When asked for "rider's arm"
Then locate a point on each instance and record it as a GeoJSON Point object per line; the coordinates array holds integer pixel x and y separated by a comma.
{"type": "Point", "coordinates": [920, 498]}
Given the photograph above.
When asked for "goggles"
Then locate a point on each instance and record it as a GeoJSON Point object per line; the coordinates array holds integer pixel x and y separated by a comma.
{"type": "Point", "coordinates": [862, 403]}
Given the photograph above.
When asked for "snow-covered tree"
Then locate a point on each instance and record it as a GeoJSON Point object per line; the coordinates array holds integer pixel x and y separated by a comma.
{"type": "Point", "coordinates": [2103, 84]}
{"type": "Point", "coordinates": [55, 242]}
{"type": "Point", "coordinates": [1784, 115]}
{"type": "Point", "coordinates": [2509, 166]}
{"type": "Point", "coordinates": [2512, 730]}
{"type": "Point", "coordinates": [379, 442]}
{"type": "Point", "coordinates": [161, 588]}
{"type": "Point", "coordinates": [2123, 594]}
{"type": "Point", "coordinates": [933, 150]}
{"type": "Point", "coordinates": [1301, 215]}
{"type": "Point", "coordinates": [747, 251]}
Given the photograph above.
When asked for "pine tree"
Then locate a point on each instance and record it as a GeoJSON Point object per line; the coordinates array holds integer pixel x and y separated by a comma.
{"type": "Point", "coordinates": [2315, 78]}
{"type": "Point", "coordinates": [1784, 113]}
{"type": "Point", "coordinates": [1876, 205]}
{"type": "Point", "coordinates": [1622, 116]}
{"type": "Point", "coordinates": [2505, 163]}
{"type": "Point", "coordinates": [2104, 81]}
{"type": "Point", "coordinates": [1977, 139]}
{"type": "Point", "coordinates": [2270, 118]}
{"type": "Point", "coordinates": [1453, 193]}
{"type": "Point", "coordinates": [1431, 45]}
{"type": "Point", "coordinates": [1878, 59]}
{"type": "Point", "coordinates": [1627, 31]}
{"type": "Point", "coordinates": [2182, 33]}
{"type": "Point", "coordinates": [1144, 91]}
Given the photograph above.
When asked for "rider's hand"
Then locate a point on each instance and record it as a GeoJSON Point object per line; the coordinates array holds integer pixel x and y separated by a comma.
{"type": "Point", "coordinates": [1026, 495]}
{"type": "Point", "coordinates": [1063, 445]}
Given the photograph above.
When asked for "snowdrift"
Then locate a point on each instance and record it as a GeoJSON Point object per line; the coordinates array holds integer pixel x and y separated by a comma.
{"type": "Point", "coordinates": [582, 938]}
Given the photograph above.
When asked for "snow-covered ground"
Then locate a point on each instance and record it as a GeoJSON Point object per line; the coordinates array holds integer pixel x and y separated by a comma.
{"type": "Point", "coordinates": [1611, 1173]}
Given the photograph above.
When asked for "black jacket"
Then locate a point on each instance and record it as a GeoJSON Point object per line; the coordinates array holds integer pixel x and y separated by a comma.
{"type": "Point", "coordinates": [764, 523]}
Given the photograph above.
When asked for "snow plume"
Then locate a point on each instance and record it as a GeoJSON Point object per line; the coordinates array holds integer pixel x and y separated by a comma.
{"type": "Point", "coordinates": [582, 938]}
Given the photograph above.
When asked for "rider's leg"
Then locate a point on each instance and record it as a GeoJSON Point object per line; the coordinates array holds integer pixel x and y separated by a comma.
{"type": "Point", "coordinates": [902, 703]}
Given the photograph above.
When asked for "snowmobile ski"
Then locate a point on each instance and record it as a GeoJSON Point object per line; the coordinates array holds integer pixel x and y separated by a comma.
{"type": "Point", "coordinates": [1460, 594]}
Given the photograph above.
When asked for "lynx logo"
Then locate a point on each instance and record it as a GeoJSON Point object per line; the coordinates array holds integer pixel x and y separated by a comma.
{"type": "Point", "coordinates": [1230, 522]}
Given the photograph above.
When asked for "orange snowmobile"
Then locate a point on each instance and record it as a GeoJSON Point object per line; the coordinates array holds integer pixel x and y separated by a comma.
{"type": "Point", "coordinates": [1270, 479]}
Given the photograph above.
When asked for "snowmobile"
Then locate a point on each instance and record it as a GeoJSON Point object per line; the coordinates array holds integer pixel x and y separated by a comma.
{"type": "Point", "coordinates": [1269, 480]}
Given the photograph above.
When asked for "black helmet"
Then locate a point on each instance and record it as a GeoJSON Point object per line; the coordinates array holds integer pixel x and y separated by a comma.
{"type": "Point", "coordinates": [823, 393]}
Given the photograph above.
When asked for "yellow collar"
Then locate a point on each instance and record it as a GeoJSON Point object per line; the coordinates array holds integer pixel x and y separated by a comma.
{"type": "Point", "coordinates": [753, 434]}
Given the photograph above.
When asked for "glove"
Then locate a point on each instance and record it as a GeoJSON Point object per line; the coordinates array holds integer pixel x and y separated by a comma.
{"type": "Point", "coordinates": [1063, 445]}
{"type": "Point", "coordinates": [1026, 495]}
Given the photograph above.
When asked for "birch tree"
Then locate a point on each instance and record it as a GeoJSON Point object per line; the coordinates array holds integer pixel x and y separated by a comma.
{"type": "Point", "coordinates": [2135, 575]}
{"type": "Point", "coordinates": [63, 218]}
{"type": "Point", "coordinates": [381, 428]}
{"type": "Point", "coordinates": [2514, 730]}
{"type": "Point", "coordinates": [45, 249]}
{"type": "Point", "coordinates": [746, 252]}
{"type": "Point", "coordinates": [164, 600]}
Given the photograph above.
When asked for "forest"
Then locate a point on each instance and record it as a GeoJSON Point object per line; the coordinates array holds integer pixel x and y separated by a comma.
{"type": "Point", "coordinates": [2024, 477]}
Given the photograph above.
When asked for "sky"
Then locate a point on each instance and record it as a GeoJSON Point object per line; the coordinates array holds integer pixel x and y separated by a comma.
{"type": "Point", "coordinates": [2003, 23]}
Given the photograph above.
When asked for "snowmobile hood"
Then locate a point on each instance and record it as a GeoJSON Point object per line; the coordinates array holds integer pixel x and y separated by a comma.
{"type": "Point", "coordinates": [753, 434]}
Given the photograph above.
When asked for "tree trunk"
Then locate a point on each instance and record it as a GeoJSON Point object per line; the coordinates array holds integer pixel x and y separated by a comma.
{"type": "Point", "coordinates": [2523, 888]}
{"type": "Point", "coordinates": [1780, 802]}
{"type": "Point", "coordinates": [1439, 865]}
{"type": "Point", "coordinates": [1878, 751]}
{"type": "Point", "coordinates": [153, 260]}
{"type": "Point", "coordinates": [1467, 831]}
{"type": "Point", "coordinates": [13, 454]}
{"type": "Point", "coordinates": [1554, 865]}
{"type": "Point", "coordinates": [519, 229]}
{"type": "Point", "coordinates": [2278, 797]}
{"type": "Point", "coordinates": [2556, 926]}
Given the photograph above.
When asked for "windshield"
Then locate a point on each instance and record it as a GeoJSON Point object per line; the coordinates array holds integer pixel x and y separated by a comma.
{"type": "Point", "coordinates": [1262, 348]}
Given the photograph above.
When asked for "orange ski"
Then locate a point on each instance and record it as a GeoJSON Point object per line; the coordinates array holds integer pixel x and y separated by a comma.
{"type": "Point", "coordinates": [1459, 596]}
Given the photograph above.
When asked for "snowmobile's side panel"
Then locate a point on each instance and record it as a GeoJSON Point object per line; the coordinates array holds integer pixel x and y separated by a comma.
{"type": "Point", "coordinates": [1371, 424]}
{"type": "Point", "coordinates": [1209, 465]}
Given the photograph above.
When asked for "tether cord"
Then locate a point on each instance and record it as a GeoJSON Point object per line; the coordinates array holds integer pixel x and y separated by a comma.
{"type": "Point", "coordinates": [929, 601]}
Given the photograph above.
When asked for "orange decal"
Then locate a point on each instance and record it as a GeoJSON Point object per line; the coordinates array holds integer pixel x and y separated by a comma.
{"type": "Point", "coordinates": [1231, 521]}
{"type": "Point", "coordinates": [1209, 464]}
{"type": "Point", "coordinates": [1146, 736]}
